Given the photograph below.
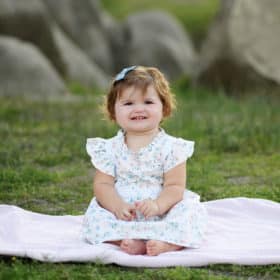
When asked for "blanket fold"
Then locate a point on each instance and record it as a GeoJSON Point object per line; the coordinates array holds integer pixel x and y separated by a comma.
{"type": "Point", "coordinates": [240, 231]}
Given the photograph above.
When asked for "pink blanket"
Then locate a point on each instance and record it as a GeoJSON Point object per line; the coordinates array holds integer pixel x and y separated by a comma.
{"type": "Point", "coordinates": [240, 231]}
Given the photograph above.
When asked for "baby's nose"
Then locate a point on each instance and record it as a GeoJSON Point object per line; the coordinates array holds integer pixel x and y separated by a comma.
{"type": "Point", "coordinates": [139, 107]}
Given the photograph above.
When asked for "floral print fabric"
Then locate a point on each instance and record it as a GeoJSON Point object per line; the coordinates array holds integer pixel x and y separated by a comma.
{"type": "Point", "coordinates": [138, 176]}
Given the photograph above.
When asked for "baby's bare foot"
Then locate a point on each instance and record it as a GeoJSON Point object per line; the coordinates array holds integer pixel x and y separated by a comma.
{"type": "Point", "coordinates": [156, 247]}
{"type": "Point", "coordinates": [133, 246]}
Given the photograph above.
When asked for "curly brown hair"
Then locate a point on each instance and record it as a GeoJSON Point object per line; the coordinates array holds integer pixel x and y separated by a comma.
{"type": "Point", "coordinates": [141, 77]}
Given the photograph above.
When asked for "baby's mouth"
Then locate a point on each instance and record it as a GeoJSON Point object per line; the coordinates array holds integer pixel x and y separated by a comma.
{"type": "Point", "coordinates": [138, 118]}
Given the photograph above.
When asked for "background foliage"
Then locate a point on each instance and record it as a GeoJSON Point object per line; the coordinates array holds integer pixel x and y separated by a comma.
{"type": "Point", "coordinates": [195, 15]}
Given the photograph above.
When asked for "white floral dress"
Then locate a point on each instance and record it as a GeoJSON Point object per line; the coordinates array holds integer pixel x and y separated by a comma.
{"type": "Point", "coordinates": [139, 176]}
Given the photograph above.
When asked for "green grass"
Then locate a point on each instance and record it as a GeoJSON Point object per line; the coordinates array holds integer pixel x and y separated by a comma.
{"type": "Point", "coordinates": [44, 168]}
{"type": "Point", "coordinates": [195, 15]}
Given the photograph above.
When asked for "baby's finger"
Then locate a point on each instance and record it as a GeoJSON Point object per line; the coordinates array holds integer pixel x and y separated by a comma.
{"type": "Point", "coordinates": [122, 216]}
{"type": "Point", "coordinates": [132, 210]}
{"type": "Point", "coordinates": [138, 205]}
{"type": "Point", "coordinates": [126, 213]}
{"type": "Point", "coordinates": [143, 208]}
{"type": "Point", "coordinates": [148, 215]}
{"type": "Point", "coordinates": [147, 212]}
{"type": "Point", "coordinates": [133, 214]}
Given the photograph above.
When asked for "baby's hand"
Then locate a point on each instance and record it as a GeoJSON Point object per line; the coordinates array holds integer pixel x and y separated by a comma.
{"type": "Point", "coordinates": [125, 212]}
{"type": "Point", "coordinates": [147, 207]}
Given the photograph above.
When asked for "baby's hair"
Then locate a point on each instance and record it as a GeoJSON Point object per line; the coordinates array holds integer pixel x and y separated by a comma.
{"type": "Point", "coordinates": [141, 77]}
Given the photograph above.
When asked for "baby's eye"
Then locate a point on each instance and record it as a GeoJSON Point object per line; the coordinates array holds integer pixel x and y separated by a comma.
{"type": "Point", "coordinates": [127, 103]}
{"type": "Point", "coordinates": [149, 102]}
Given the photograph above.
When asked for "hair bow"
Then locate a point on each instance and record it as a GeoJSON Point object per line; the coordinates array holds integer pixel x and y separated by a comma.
{"type": "Point", "coordinates": [121, 75]}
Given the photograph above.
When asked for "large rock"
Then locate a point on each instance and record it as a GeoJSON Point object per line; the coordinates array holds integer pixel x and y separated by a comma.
{"type": "Point", "coordinates": [79, 67]}
{"type": "Point", "coordinates": [29, 21]}
{"type": "Point", "coordinates": [242, 46]}
{"type": "Point", "coordinates": [82, 22]}
{"type": "Point", "coordinates": [25, 71]}
{"type": "Point", "coordinates": [116, 36]}
{"type": "Point", "coordinates": [155, 38]}
{"type": "Point", "coordinates": [254, 28]}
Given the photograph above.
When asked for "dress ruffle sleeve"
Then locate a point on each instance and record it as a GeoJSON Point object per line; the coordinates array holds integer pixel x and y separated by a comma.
{"type": "Point", "coordinates": [179, 151]}
{"type": "Point", "coordinates": [100, 151]}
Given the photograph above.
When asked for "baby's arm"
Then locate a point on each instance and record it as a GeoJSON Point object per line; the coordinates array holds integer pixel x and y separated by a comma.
{"type": "Point", "coordinates": [107, 196]}
{"type": "Point", "coordinates": [172, 193]}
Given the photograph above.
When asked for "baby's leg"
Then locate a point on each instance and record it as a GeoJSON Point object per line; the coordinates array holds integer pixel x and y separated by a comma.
{"type": "Point", "coordinates": [133, 246]}
{"type": "Point", "coordinates": [156, 247]}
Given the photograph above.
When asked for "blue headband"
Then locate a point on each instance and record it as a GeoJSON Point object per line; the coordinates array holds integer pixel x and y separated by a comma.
{"type": "Point", "coordinates": [120, 76]}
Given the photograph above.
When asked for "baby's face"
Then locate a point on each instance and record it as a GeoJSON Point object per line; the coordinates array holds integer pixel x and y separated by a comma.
{"type": "Point", "coordinates": [136, 111]}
